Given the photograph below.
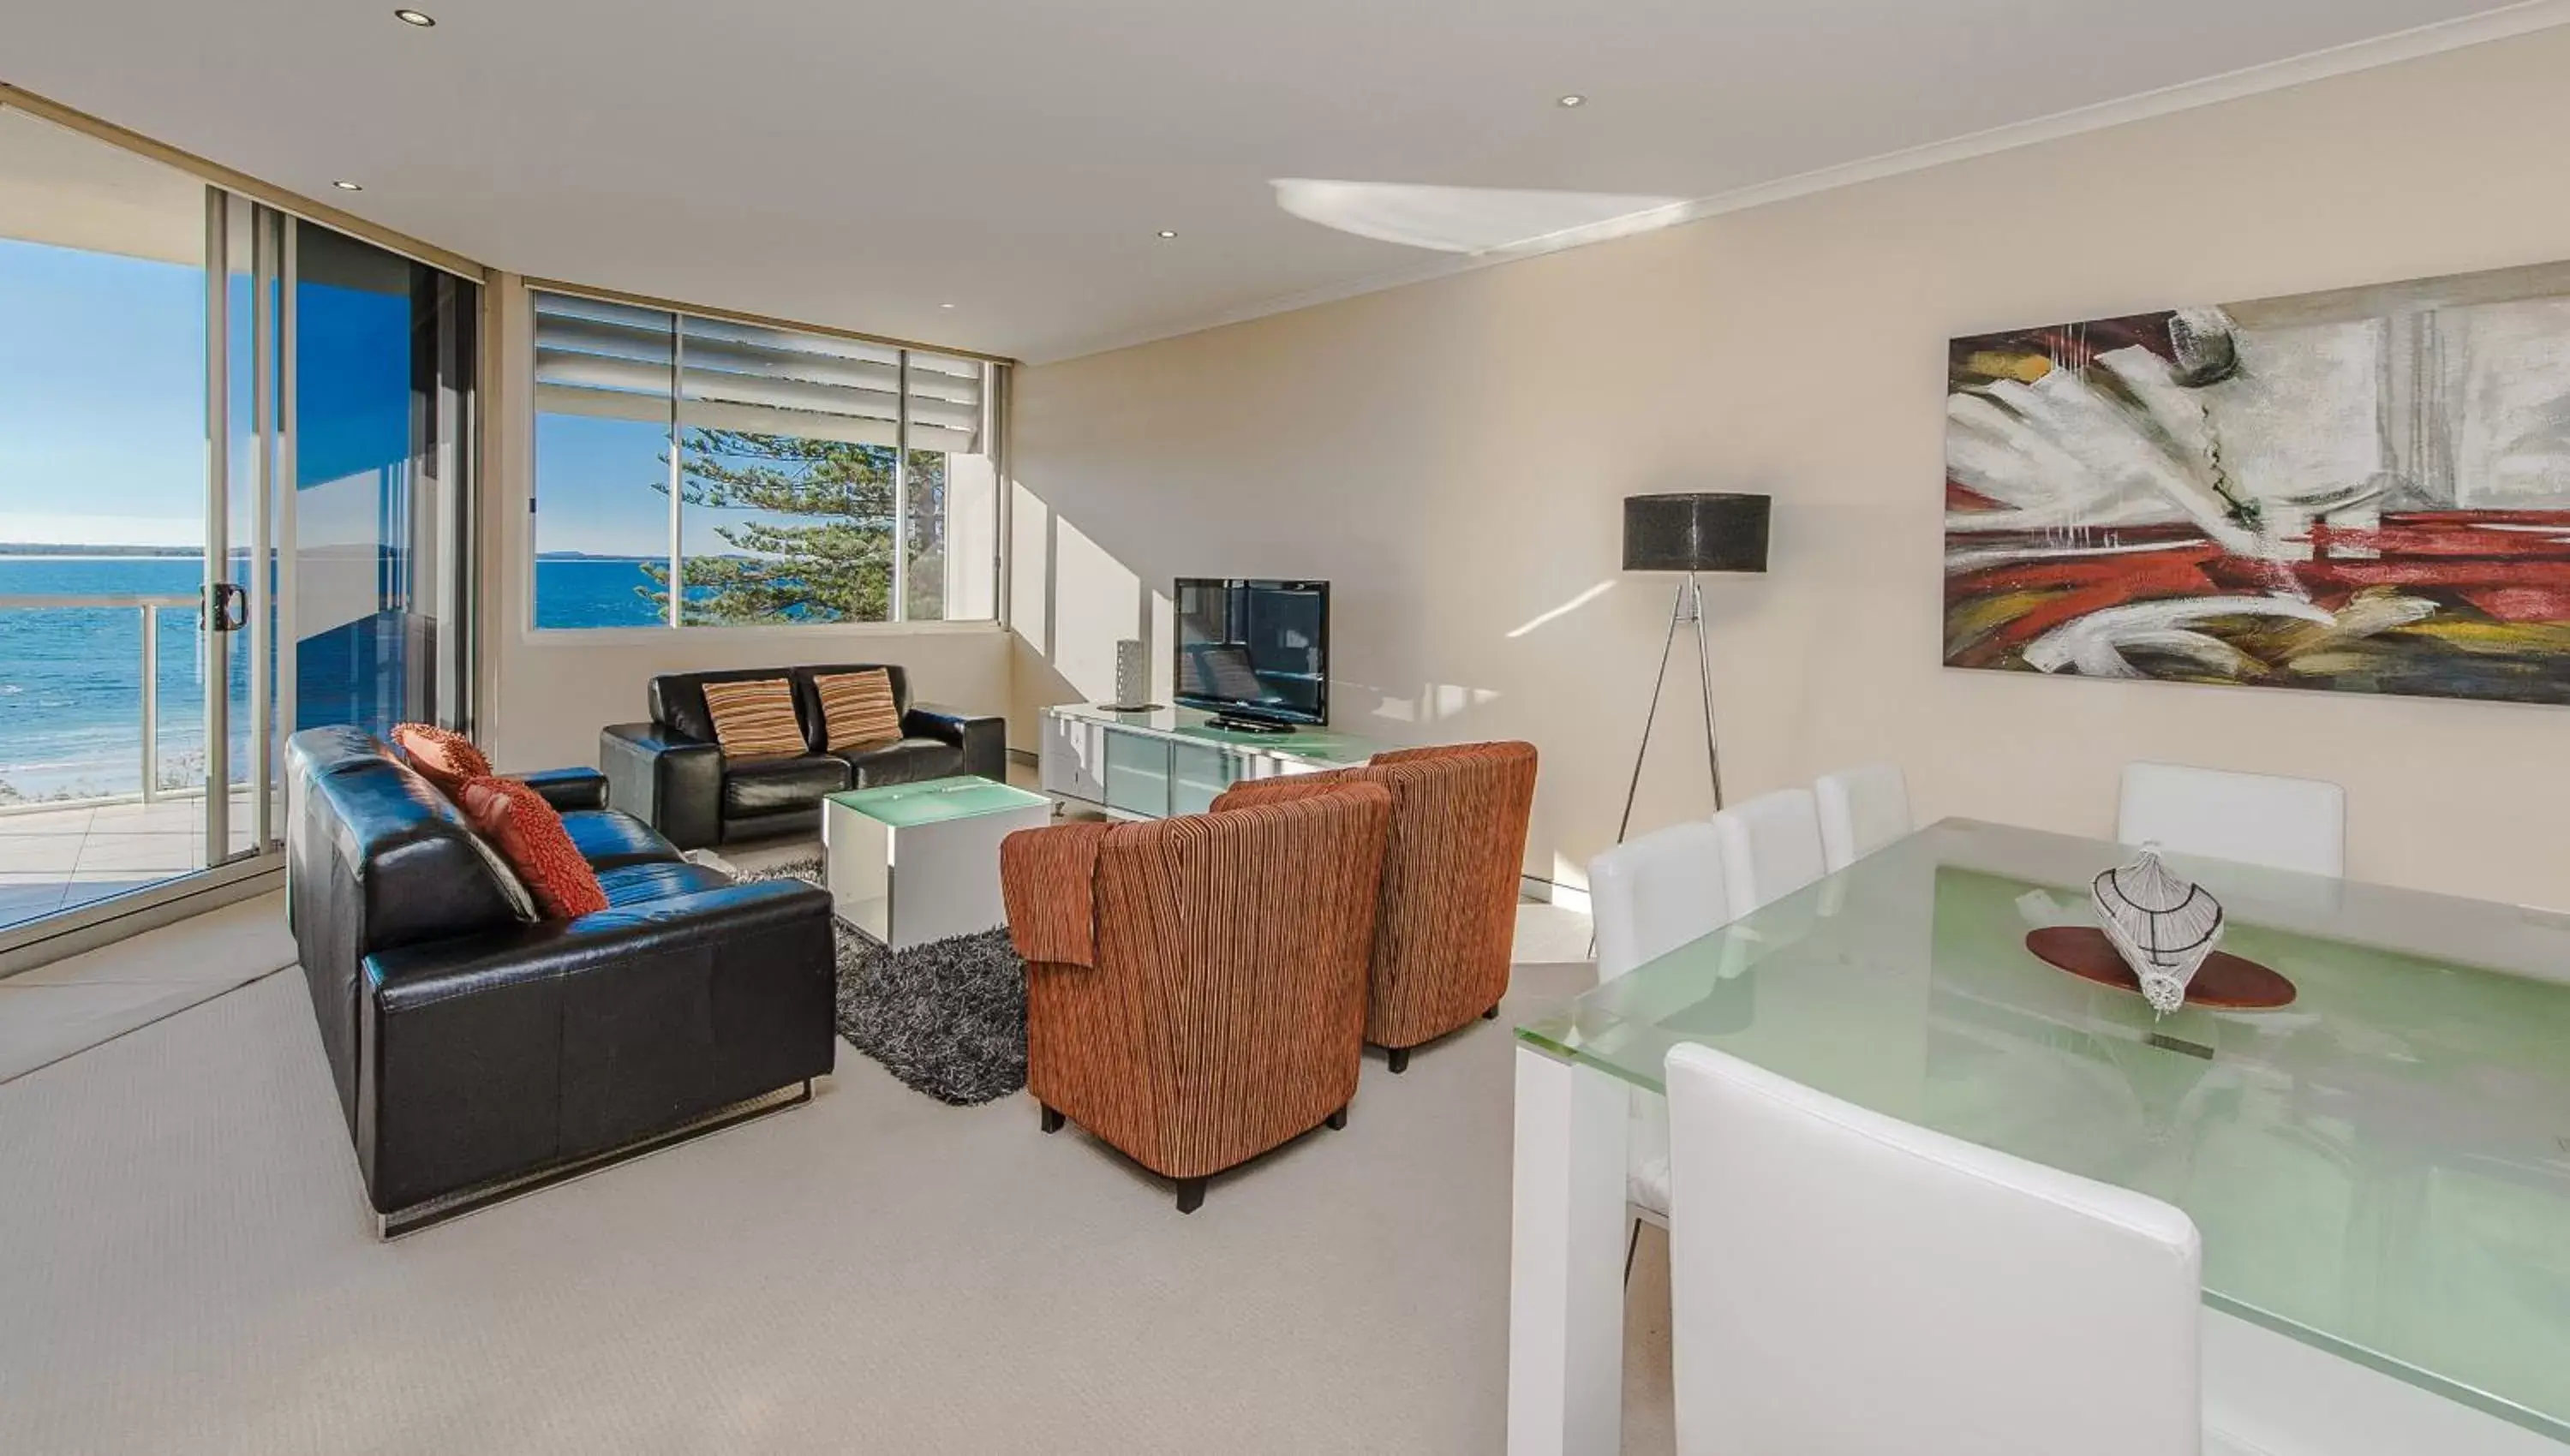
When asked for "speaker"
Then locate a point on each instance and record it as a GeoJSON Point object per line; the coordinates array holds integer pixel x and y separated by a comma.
{"type": "Point", "coordinates": [1133, 674]}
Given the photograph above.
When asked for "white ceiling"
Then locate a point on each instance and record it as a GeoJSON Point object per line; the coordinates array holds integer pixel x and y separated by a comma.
{"type": "Point", "coordinates": [860, 163]}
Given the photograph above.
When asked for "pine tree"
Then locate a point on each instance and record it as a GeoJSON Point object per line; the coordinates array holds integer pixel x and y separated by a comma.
{"type": "Point", "coordinates": [833, 561]}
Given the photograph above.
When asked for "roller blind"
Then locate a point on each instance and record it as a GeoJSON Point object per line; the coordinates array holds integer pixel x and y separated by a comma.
{"type": "Point", "coordinates": [621, 362]}
{"type": "Point", "coordinates": [604, 359]}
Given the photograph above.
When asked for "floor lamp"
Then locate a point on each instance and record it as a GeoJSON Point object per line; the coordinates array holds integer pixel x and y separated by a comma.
{"type": "Point", "coordinates": [1691, 532]}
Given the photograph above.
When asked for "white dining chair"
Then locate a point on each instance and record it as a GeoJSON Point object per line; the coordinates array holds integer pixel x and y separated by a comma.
{"type": "Point", "coordinates": [1844, 1283]}
{"type": "Point", "coordinates": [2256, 819]}
{"type": "Point", "coordinates": [1655, 893]}
{"type": "Point", "coordinates": [1861, 809]}
{"type": "Point", "coordinates": [1650, 895]}
{"type": "Point", "coordinates": [1771, 847]}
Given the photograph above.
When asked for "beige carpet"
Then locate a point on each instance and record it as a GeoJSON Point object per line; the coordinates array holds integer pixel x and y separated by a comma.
{"type": "Point", "coordinates": [78, 1002]}
{"type": "Point", "coordinates": [188, 1268]}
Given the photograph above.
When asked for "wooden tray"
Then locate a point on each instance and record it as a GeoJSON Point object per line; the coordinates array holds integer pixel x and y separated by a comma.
{"type": "Point", "coordinates": [2225, 982]}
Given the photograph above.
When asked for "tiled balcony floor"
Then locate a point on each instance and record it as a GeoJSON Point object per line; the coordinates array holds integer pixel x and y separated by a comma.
{"type": "Point", "coordinates": [57, 859]}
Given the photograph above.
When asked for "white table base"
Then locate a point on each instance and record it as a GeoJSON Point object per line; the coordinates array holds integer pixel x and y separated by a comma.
{"type": "Point", "coordinates": [1566, 1261]}
{"type": "Point", "coordinates": [907, 887]}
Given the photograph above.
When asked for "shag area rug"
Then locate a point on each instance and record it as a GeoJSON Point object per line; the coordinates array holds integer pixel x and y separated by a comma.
{"type": "Point", "coordinates": [948, 1018]}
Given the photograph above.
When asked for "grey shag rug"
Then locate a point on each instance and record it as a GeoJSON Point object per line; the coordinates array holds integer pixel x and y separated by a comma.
{"type": "Point", "coordinates": [948, 1018]}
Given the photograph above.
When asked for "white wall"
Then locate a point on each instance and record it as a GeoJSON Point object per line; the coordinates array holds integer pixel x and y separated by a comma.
{"type": "Point", "coordinates": [556, 694]}
{"type": "Point", "coordinates": [1452, 454]}
{"type": "Point", "coordinates": [546, 694]}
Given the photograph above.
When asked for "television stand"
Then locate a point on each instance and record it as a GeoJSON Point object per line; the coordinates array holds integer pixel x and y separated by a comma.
{"type": "Point", "coordinates": [1173, 761]}
{"type": "Point", "coordinates": [1235, 724]}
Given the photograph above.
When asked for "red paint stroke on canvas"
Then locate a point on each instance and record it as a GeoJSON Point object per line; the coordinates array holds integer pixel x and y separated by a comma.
{"type": "Point", "coordinates": [2470, 559]}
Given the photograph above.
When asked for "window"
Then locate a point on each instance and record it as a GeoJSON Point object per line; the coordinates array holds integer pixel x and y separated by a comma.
{"type": "Point", "coordinates": [696, 472]}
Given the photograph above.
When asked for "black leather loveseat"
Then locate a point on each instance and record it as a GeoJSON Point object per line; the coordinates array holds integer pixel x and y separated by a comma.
{"type": "Point", "coordinates": [672, 774]}
{"type": "Point", "coordinates": [475, 1050]}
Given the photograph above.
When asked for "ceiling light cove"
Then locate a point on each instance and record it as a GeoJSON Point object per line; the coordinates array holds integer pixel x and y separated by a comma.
{"type": "Point", "coordinates": [1462, 220]}
{"type": "Point", "coordinates": [349, 187]}
{"type": "Point", "coordinates": [420, 18]}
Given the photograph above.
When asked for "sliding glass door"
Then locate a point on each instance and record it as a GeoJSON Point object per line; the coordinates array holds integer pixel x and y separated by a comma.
{"type": "Point", "coordinates": [233, 502]}
{"type": "Point", "coordinates": [106, 350]}
{"type": "Point", "coordinates": [337, 589]}
{"type": "Point", "coordinates": [383, 417]}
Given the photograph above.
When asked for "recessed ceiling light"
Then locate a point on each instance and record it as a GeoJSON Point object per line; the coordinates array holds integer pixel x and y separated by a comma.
{"type": "Point", "coordinates": [349, 187]}
{"type": "Point", "coordinates": [420, 18]}
{"type": "Point", "coordinates": [946, 305]}
{"type": "Point", "coordinates": [1168, 233]}
{"type": "Point", "coordinates": [1574, 98]}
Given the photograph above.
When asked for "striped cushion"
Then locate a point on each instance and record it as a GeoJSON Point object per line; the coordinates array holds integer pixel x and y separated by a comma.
{"type": "Point", "coordinates": [857, 707]}
{"type": "Point", "coordinates": [755, 719]}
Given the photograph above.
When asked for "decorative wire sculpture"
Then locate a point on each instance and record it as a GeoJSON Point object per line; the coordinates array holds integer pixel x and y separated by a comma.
{"type": "Point", "coordinates": [2165, 927]}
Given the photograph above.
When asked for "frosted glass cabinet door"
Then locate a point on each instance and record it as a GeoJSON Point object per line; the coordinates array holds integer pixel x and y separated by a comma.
{"type": "Point", "coordinates": [1198, 775]}
{"type": "Point", "coordinates": [1138, 774]}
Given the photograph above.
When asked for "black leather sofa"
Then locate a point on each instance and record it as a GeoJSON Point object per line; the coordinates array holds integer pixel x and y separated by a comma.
{"type": "Point", "coordinates": [475, 1050]}
{"type": "Point", "coordinates": [672, 774]}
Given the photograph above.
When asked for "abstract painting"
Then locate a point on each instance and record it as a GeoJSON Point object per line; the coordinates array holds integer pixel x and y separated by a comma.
{"type": "Point", "coordinates": [2362, 491]}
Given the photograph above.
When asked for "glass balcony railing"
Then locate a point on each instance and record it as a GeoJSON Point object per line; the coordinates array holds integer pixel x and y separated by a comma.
{"type": "Point", "coordinates": [103, 748]}
{"type": "Point", "coordinates": [101, 698]}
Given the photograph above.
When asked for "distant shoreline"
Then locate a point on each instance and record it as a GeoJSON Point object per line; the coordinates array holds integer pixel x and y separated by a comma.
{"type": "Point", "coordinates": [42, 551]}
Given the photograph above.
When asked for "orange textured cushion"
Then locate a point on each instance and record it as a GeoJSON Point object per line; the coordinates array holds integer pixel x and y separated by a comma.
{"type": "Point", "coordinates": [857, 707]}
{"type": "Point", "coordinates": [531, 836]}
{"type": "Point", "coordinates": [443, 756]}
{"type": "Point", "coordinates": [755, 719]}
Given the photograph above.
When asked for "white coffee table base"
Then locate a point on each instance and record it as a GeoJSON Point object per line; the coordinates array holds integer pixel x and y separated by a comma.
{"type": "Point", "coordinates": [905, 886]}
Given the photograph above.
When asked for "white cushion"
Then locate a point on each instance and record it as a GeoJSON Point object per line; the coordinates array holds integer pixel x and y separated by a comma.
{"type": "Point", "coordinates": [1650, 1186]}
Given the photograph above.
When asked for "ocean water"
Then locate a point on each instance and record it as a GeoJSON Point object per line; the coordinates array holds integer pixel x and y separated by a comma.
{"type": "Point", "coordinates": [588, 591]}
{"type": "Point", "coordinates": [71, 695]}
{"type": "Point", "coordinates": [71, 678]}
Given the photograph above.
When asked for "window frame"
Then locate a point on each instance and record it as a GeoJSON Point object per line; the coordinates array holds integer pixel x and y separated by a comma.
{"type": "Point", "coordinates": [995, 393]}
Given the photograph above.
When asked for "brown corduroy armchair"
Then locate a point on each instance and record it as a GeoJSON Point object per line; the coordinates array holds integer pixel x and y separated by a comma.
{"type": "Point", "coordinates": [1196, 986]}
{"type": "Point", "coordinates": [1443, 944]}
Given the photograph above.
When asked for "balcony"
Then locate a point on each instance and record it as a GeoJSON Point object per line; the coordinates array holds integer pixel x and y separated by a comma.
{"type": "Point", "coordinates": [126, 808]}
{"type": "Point", "coordinates": [57, 859]}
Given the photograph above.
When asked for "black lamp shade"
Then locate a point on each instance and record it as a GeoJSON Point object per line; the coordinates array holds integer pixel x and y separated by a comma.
{"type": "Point", "coordinates": [1695, 531]}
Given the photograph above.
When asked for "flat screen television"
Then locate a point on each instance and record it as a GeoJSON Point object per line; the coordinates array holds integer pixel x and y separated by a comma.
{"type": "Point", "coordinates": [1256, 654]}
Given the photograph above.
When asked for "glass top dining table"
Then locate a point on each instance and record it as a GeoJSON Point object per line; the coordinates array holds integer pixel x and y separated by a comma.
{"type": "Point", "coordinates": [2381, 1167]}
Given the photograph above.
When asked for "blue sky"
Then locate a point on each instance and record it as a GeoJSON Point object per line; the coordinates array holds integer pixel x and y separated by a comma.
{"type": "Point", "coordinates": [102, 397]}
{"type": "Point", "coordinates": [593, 479]}
{"type": "Point", "coordinates": [101, 410]}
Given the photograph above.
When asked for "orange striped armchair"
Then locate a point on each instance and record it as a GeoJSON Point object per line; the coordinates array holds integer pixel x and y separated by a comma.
{"type": "Point", "coordinates": [1441, 948]}
{"type": "Point", "coordinates": [1196, 986]}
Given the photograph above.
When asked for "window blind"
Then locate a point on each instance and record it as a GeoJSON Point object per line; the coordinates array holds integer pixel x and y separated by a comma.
{"type": "Point", "coordinates": [627, 362]}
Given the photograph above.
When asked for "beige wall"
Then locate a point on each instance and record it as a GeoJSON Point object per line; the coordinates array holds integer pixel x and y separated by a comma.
{"type": "Point", "coordinates": [545, 695]}
{"type": "Point", "coordinates": [1452, 454]}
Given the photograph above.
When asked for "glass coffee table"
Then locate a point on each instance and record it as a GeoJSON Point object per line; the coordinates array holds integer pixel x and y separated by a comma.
{"type": "Point", "coordinates": [909, 864]}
